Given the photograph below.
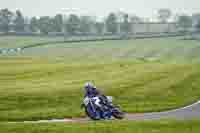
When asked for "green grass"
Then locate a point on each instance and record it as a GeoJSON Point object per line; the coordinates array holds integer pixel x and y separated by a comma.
{"type": "Point", "coordinates": [38, 89]}
{"type": "Point", "coordinates": [20, 41]}
{"type": "Point", "coordinates": [170, 49]}
{"type": "Point", "coordinates": [106, 127]}
{"type": "Point", "coordinates": [167, 49]}
{"type": "Point", "coordinates": [46, 82]}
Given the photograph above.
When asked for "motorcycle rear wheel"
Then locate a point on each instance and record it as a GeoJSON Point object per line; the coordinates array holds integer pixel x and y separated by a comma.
{"type": "Point", "coordinates": [118, 114]}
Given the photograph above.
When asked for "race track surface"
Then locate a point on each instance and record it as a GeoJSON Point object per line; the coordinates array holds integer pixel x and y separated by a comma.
{"type": "Point", "coordinates": [185, 113]}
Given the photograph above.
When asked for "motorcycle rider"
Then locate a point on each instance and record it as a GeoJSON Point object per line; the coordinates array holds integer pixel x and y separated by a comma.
{"type": "Point", "coordinates": [92, 91]}
{"type": "Point", "coordinates": [103, 103]}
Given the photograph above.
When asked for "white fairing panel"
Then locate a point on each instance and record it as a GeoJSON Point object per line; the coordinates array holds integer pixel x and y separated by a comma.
{"type": "Point", "coordinates": [86, 101]}
{"type": "Point", "coordinates": [97, 101]}
{"type": "Point", "coordinates": [110, 99]}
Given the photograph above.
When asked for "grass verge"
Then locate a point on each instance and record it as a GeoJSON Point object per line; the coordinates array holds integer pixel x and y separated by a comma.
{"type": "Point", "coordinates": [106, 127]}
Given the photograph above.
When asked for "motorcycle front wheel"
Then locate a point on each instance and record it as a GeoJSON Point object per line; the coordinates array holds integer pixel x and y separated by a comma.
{"type": "Point", "coordinates": [91, 114]}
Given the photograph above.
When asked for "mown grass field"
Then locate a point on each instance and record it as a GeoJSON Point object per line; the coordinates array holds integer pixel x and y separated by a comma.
{"type": "Point", "coordinates": [20, 41]}
{"type": "Point", "coordinates": [38, 89]}
{"type": "Point", "coordinates": [105, 127]}
{"type": "Point", "coordinates": [164, 49]}
{"type": "Point", "coordinates": [143, 76]}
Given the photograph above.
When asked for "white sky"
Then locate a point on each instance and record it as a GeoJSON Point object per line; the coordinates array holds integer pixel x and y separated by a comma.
{"type": "Point", "coordinates": [100, 8]}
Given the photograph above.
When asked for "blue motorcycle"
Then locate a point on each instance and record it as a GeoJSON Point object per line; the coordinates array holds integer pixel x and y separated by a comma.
{"type": "Point", "coordinates": [98, 109]}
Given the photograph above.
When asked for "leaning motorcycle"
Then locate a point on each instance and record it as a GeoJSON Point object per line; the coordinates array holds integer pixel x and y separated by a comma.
{"type": "Point", "coordinates": [96, 109]}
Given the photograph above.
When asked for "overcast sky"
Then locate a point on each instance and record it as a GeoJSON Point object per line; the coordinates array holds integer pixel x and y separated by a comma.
{"type": "Point", "coordinates": [142, 8]}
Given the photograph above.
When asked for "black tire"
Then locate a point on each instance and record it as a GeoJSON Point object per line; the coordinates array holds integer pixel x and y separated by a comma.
{"type": "Point", "coordinates": [117, 113]}
{"type": "Point", "coordinates": [93, 117]}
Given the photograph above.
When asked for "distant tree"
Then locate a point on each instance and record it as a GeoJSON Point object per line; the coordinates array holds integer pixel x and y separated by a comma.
{"type": "Point", "coordinates": [85, 24]}
{"type": "Point", "coordinates": [73, 24]}
{"type": "Point", "coordinates": [45, 24]}
{"type": "Point", "coordinates": [175, 17]}
{"type": "Point", "coordinates": [120, 20]}
{"type": "Point", "coordinates": [185, 22]}
{"type": "Point", "coordinates": [18, 22]}
{"type": "Point", "coordinates": [34, 24]}
{"type": "Point", "coordinates": [135, 19]}
{"type": "Point", "coordinates": [120, 16]}
{"type": "Point", "coordinates": [5, 19]}
{"type": "Point", "coordinates": [125, 25]}
{"type": "Point", "coordinates": [111, 23]}
{"type": "Point", "coordinates": [164, 15]}
{"type": "Point", "coordinates": [99, 27]}
{"type": "Point", "coordinates": [58, 23]}
{"type": "Point", "coordinates": [196, 17]}
{"type": "Point", "coordinates": [196, 20]}
{"type": "Point", "coordinates": [197, 26]}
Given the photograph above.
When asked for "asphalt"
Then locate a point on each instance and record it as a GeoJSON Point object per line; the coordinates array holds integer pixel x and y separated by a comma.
{"type": "Point", "coordinates": [185, 113]}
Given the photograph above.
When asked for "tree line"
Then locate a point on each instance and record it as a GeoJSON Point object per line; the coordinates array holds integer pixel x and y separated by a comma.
{"type": "Point", "coordinates": [74, 24]}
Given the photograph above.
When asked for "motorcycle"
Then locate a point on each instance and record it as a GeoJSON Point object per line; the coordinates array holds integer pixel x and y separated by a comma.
{"type": "Point", "coordinates": [98, 109]}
